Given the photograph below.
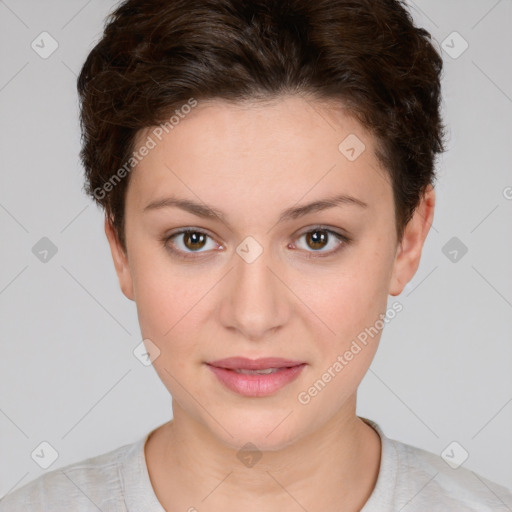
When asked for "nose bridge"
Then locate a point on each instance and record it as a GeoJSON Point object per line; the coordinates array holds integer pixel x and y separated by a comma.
{"type": "Point", "coordinates": [255, 301]}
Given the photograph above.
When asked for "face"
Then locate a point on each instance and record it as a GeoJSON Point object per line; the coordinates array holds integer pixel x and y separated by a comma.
{"type": "Point", "coordinates": [263, 276]}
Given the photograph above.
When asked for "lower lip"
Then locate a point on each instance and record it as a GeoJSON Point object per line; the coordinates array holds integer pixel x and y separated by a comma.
{"type": "Point", "coordinates": [256, 385]}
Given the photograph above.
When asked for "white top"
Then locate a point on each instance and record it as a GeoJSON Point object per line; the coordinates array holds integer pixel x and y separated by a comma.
{"type": "Point", "coordinates": [410, 480]}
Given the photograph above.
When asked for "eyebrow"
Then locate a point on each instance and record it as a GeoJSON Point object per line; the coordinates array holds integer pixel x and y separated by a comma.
{"type": "Point", "coordinates": [203, 210]}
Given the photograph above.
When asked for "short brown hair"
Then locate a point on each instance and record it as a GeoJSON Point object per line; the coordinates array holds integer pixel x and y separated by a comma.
{"type": "Point", "coordinates": [155, 55]}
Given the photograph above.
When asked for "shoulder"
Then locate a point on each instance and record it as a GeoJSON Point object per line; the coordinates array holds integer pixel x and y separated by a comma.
{"type": "Point", "coordinates": [91, 484]}
{"type": "Point", "coordinates": [425, 479]}
{"type": "Point", "coordinates": [415, 480]}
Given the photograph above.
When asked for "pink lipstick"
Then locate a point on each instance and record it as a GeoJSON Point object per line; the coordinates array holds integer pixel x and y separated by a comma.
{"type": "Point", "coordinates": [256, 377]}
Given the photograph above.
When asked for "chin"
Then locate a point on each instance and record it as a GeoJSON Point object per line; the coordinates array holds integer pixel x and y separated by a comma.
{"type": "Point", "coordinates": [268, 431]}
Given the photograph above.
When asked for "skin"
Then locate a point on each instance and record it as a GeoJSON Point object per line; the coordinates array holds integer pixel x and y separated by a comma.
{"type": "Point", "coordinates": [252, 161]}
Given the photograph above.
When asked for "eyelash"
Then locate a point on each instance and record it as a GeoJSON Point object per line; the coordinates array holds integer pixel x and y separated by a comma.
{"type": "Point", "coordinates": [344, 240]}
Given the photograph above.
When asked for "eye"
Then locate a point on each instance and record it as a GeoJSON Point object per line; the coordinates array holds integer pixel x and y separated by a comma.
{"type": "Point", "coordinates": [188, 241]}
{"type": "Point", "coordinates": [320, 238]}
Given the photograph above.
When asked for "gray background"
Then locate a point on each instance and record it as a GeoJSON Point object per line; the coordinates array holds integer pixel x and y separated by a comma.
{"type": "Point", "coordinates": [67, 372]}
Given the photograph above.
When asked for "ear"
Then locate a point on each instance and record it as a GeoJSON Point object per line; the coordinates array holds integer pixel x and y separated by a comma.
{"type": "Point", "coordinates": [408, 255]}
{"type": "Point", "coordinates": [120, 260]}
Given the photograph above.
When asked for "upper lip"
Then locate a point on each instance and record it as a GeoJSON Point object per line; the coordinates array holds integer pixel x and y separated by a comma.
{"type": "Point", "coordinates": [242, 363]}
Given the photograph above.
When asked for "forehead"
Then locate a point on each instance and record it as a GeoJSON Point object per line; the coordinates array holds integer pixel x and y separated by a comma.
{"type": "Point", "coordinates": [285, 148]}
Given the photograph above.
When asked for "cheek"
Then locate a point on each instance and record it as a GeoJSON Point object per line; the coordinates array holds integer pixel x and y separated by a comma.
{"type": "Point", "coordinates": [165, 295]}
{"type": "Point", "coordinates": [348, 299]}
{"type": "Point", "coordinates": [352, 304]}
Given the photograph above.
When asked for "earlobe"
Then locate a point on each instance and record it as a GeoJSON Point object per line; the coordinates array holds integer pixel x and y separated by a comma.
{"type": "Point", "coordinates": [120, 260]}
{"type": "Point", "coordinates": [408, 253]}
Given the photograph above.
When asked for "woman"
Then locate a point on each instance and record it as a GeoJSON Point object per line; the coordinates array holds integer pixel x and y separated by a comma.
{"type": "Point", "coordinates": [266, 169]}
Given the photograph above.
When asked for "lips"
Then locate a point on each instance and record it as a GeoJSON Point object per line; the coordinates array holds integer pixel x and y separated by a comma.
{"type": "Point", "coordinates": [256, 377]}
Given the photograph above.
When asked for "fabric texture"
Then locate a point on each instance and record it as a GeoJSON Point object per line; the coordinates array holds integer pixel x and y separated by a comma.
{"type": "Point", "coordinates": [410, 480]}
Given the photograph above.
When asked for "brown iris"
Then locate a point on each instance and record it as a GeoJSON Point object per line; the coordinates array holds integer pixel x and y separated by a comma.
{"type": "Point", "coordinates": [194, 240]}
{"type": "Point", "coordinates": [317, 239]}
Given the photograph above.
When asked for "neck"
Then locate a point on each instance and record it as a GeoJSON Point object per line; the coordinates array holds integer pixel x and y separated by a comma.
{"type": "Point", "coordinates": [338, 463]}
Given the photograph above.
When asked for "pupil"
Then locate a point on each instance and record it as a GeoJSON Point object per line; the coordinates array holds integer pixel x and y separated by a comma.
{"type": "Point", "coordinates": [317, 242]}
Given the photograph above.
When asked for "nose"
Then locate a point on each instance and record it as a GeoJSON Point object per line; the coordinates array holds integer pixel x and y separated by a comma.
{"type": "Point", "coordinates": [254, 300]}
